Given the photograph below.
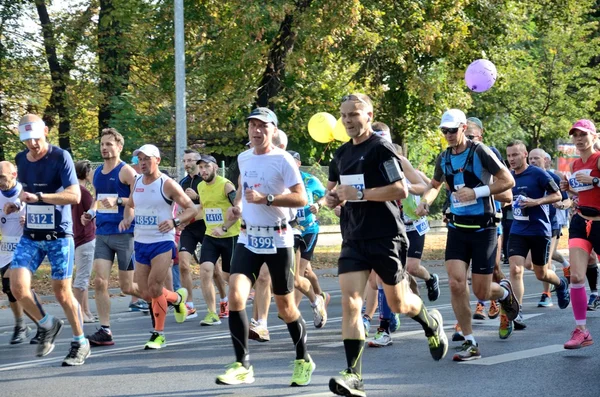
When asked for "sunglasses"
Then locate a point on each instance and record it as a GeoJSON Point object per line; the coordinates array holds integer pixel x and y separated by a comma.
{"type": "Point", "coordinates": [355, 98]}
{"type": "Point", "coordinates": [447, 131]}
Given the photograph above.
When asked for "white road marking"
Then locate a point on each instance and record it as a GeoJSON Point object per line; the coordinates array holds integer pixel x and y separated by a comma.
{"type": "Point", "coordinates": [520, 355]}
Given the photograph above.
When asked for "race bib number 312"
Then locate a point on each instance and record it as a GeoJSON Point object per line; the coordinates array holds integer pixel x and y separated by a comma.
{"type": "Point", "coordinates": [40, 217]}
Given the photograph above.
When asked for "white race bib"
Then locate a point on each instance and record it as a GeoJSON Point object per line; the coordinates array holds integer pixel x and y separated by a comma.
{"type": "Point", "coordinates": [519, 214]}
{"type": "Point", "coordinates": [146, 219]}
{"type": "Point", "coordinates": [106, 210]}
{"type": "Point", "coordinates": [578, 186]}
{"type": "Point", "coordinates": [422, 226]}
{"type": "Point", "coordinates": [300, 215]}
{"type": "Point", "coordinates": [40, 217]}
{"type": "Point", "coordinates": [8, 244]}
{"type": "Point", "coordinates": [357, 181]}
{"type": "Point", "coordinates": [458, 204]}
{"type": "Point", "coordinates": [214, 216]}
{"type": "Point", "coordinates": [260, 240]}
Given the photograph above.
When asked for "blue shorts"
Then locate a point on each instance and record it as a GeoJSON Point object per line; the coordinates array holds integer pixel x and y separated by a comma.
{"type": "Point", "coordinates": [29, 254]}
{"type": "Point", "coordinates": [144, 253]}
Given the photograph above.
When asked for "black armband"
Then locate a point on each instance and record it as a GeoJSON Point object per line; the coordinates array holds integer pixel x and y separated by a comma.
{"type": "Point", "coordinates": [231, 196]}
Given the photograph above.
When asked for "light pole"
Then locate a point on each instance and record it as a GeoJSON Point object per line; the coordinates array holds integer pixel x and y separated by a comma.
{"type": "Point", "coordinates": [180, 116]}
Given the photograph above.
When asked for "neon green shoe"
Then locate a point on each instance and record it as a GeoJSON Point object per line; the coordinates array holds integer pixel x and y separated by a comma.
{"type": "Point", "coordinates": [211, 319]}
{"type": "Point", "coordinates": [157, 341]}
{"type": "Point", "coordinates": [302, 372]}
{"type": "Point", "coordinates": [236, 374]}
{"type": "Point", "coordinates": [181, 309]}
{"type": "Point", "coordinates": [506, 326]}
{"type": "Point", "coordinates": [438, 342]}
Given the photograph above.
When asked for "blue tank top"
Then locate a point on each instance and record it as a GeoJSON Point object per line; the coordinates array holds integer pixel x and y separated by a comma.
{"type": "Point", "coordinates": [108, 223]}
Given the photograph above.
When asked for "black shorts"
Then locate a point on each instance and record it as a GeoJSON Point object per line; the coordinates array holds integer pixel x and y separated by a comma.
{"type": "Point", "coordinates": [191, 236]}
{"type": "Point", "coordinates": [213, 248]}
{"type": "Point", "coordinates": [281, 267]}
{"type": "Point", "coordinates": [306, 244]}
{"type": "Point", "coordinates": [381, 255]}
{"type": "Point", "coordinates": [415, 244]}
{"type": "Point", "coordinates": [475, 247]}
{"type": "Point", "coordinates": [519, 245]}
{"type": "Point", "coordinates": [584, 234]}
{"type": "Point", "coordinates": [4, 270]}
{"type": "Point", "coordinates": [556, 233]}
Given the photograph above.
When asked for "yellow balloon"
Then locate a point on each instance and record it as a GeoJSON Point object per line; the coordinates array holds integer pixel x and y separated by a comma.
{"type": "Point", "coordinates": [320, 127]}
{"type": "Point", "coordinates": [339, 131]}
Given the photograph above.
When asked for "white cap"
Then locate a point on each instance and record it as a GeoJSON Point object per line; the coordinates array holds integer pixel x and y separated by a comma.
{"type": "Point", "coordinates": [148, 150]}
{"type": "Point", "coordinates": [384, 134]}
{"type": "Point", "coordinates": [453, 118]}
{"type": "Point", "coordinates": [32, 130]}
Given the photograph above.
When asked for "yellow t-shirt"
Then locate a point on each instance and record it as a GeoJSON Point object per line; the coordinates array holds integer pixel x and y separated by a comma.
{"type": "Point", "coordinates": [215, 204]}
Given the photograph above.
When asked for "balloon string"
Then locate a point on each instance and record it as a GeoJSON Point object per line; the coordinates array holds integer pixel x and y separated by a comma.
{"type": "Point", "coordinates": [323, 154]}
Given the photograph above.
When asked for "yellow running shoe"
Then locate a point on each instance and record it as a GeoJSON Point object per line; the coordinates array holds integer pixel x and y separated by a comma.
{"type": "Point", "coordinates": [181, 310]}
{"type": "Point", "coordinates": [157, 341]}
{"type": "Point", "coordinates": [302, 372]}
{"type": "Point", "coordinates": [236, 374]}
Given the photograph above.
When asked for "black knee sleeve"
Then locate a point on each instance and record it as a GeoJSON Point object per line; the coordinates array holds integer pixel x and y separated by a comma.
{"type": "Point", "coordinates": [6, 289]}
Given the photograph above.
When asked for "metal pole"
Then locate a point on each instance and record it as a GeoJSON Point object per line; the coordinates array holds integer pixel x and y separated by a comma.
{"type": "Point", "coordinates": [180, 116]}
{"type": "Point", "coordinates": [223, 168]}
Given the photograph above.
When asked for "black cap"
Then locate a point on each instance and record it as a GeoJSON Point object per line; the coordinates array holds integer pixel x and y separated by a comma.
{"type": "Point", "coordinates": [263, 114]}
{"type": "Point", "coordinates": [207, 159]}
{"type": "Point", "coordinates": [295, 155]}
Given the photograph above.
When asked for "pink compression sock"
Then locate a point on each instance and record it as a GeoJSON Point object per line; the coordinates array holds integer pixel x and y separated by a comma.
{"type": "Point", "coordinates": [579, 303]}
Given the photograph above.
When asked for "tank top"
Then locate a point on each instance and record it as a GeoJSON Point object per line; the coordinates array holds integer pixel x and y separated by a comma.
{"type": "Point", "coordinates": [10, 227]}
{"type": "Point", "coordinates": [151, 208]}
{"type": "Point", "coordinates": [215, 204]}
{"type": "Point", "coordinates": [589, 195]}
{"type": "Point", "coordinates": [109, 185]}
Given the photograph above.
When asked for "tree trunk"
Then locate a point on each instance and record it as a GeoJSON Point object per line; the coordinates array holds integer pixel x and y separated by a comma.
{"type": "Point", "coordinates": [113, 61]}
{"type": "Point", "coordinates": [282, 45]}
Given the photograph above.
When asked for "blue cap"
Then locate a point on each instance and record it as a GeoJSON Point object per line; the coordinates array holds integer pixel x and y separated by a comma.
{"type": "Point", "coordinates": [263, 114]}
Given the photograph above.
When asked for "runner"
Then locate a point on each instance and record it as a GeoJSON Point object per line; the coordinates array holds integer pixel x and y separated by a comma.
{"type": "Point", "coordinates": [50, 186]}
{"type": "Point", "coordinates": [151, 200]}
{"type": "Point", "coordinates": [266, 172]}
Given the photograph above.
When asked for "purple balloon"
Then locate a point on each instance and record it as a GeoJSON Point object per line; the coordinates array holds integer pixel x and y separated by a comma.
{"type": "Point", "coordinates": [480, 75]}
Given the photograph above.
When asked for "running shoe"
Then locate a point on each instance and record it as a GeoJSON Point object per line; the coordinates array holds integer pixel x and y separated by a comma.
{"type": "Point", "coordinates": [47, 337]}
{"type": "Point", "coordinates": [519, 322]}
{"type": "Point", "coordinates": [457, 336]}
{"type": "Point", "coordinates": [506, 326]}
{"type": "Point", "coordinates": [380, 339]}
{"type": "Point", "coordinates": [77, 354]}
{"type": "Point", "coordinates": [468, 352]}
{"type": "Point", "coordinates": [326, 298]}
{"type": "Point", "coordinates": [157, 341]}
{"type": "Point", "coordinates": [479, 312]}
{"type": "Point", "coordinates": [395, 322]}
{"type": "Point", "coordinates": [236, 374]}
{"type": "Point", "coordinates": [433, 287]}
{"type": "Point", "coordinates": [367, 324]}
{"type": "Point", "coordinates": [180, 308]}
{"type": "Point", "coordinates": [258, 332]}
{"type": "Point", "coordinates": [36, 339]}
{"type": "Point", "coordinates": [545, 300]}
{"type": "Point", "coordinates": [224, 310]}
{"type": "Point", "coordinates": [211, 319]}
{"type": "Point", "coordinates": [579, 339]}
{"type": "Point", "coordinates": [302, 372]}
{"type": "Point", "coordinates": [593, 302]}
{"type": "Point", "coordinates": [562, 293]}
{"type": "Point", "coordinates": [191, 312]}
{"type": "Point", "coordinates": [510, 305]}
{"type": "Point", "coordinates": [319, 312]}
{"type": "Point", "coordinates": [494, 310]}
{"type": "Point", "coordinates": [139, 306]}
{"type": "Point", "coordinates": [438, 342]}
{"type": "Point", "coordinates": [19, 335]}
{"type": "Point", "coordinates": [349, 384]}
{"type": "Point", "coordinates": [101, 337]}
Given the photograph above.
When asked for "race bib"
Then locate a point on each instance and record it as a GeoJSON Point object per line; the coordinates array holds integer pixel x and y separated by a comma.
{"type": "Point", "coordinates": [106, 210]}
{"type": "Point", "coordinates": [357, 181]}
{"type": "Point", "coordinates": [40, 217]}
{"type": "Point", "coordinates": [146, 219]}
{"type": "Point", "coordinates": [459, 204]}
{"type": "Point", "coordinates": [300, 215]}
{"type": "Point", "coordinates": [8, 245]}
{"type": "Point", "coordinates": [260, 240]}
{"type": "Point", "coordinates": [578, 186]}
{"type": "Point", "coordinates": [519, 214]}
{"type": "Point", "coordinates": [422, 226]}
{"type": "Point", "coordinates": [214, 216]}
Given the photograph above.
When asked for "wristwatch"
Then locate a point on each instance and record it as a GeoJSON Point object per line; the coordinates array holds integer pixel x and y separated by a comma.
{"type": "Point", "coordinates": [119, 201]}
{"type": "Point", "coordinates": [270, 199]}
{"type": "Point", "coordinates": [224, 229]}
{"type": "Point", "coordinates": [176, 222]}
{"type": "Point", "coordinates": [39, 197]}
{"type": "Point", "coordinates": [596, 182]}
{"type": "Point", "coordinates": [360, 194]}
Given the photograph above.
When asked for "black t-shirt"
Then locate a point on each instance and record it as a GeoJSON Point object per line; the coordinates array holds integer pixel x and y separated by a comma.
{"type": "Point", "coordinates": [192, 182]}
{"type": "Point", "coordinates": [362, 164]}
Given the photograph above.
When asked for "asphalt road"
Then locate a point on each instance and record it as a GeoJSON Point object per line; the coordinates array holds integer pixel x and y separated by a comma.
{"type": "Point", "coordinates": [530, 362]}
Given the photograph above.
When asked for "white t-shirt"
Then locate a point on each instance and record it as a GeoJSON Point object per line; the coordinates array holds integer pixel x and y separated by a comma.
{"type": "Point", "coordinates": [151, 208]}
{"type": "Point", "coordinates": [269, 173]}
{"type": "Point", "coordinates": [10, 227]}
